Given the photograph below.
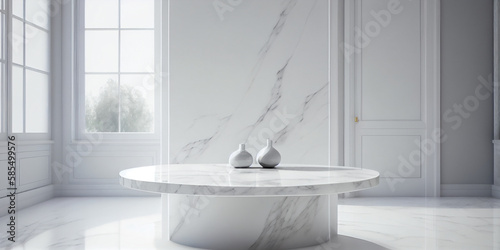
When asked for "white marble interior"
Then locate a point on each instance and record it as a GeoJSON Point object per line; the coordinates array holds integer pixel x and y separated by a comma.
{"type": "Point", "coordinates": [368, 223]}
{"type": "Point", "coordinates": [224, 180]}
{"type": "Point", "coordinates": [246, 71]}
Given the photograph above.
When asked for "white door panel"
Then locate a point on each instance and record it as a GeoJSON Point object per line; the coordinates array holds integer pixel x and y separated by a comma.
{"type": "Point", "coordinates": [389, 154]}
{"type": "Point", "coordinates": [390, 62]}
{"type": "Point", "coordinates": [389, 86]}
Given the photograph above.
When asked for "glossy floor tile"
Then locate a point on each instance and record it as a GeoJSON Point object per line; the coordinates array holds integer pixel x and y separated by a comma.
{"type": "Point", "coordinates": [364, 223]}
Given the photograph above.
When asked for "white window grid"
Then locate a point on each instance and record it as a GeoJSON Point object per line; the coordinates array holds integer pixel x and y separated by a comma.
{"type": "Point", "coordinates": [81, 133]}
{"type": "Point", "coordinates": [8, 64]}
{"type": "Point", "coordinates": [3, 78]}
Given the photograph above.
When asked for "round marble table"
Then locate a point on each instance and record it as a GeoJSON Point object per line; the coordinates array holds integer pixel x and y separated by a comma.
{"type": "Point", "coordinates": [216, 206]}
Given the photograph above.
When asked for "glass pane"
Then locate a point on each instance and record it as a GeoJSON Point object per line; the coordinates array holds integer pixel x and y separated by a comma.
{"type": "Point", "coordinates": [17, 41]}
{"type": "Point", "coordinates": [17, 99]}
{"type": "Point", "coordinates": [137, 103]}
{"type": "Point", "coordinates": [2, 87]}
{"type": "Point", "coordinates": [137, 51]}
{"type": "Point", "coordinates": [37, 12]}
{"type": "Point", "coordinates": [17, 8]}
{"type": "Point", "coordinates": [2, 30]}
{"type": "Point", "coordinates": [37, 102]}
{"type": "Point", "coordinates": [37, 48]}
{"type": "Point", "coordinates": [101, 51]}
{"type": "Point", "coordinates": [101, 13]}
{"type": "Point", "coordinates": [101, 103]}
{"type": "Point", "coordinates": [137, 13]}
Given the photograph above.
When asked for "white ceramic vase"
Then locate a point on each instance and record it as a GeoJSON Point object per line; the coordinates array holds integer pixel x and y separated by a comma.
{"type": "Point", "coordinates": [241, 158]}
{"type": "Point", "coordinates": [268, 157]}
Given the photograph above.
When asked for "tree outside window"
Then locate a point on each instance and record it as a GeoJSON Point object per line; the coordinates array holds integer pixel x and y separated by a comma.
{"type": "Point", "coordinates": [119, 57]}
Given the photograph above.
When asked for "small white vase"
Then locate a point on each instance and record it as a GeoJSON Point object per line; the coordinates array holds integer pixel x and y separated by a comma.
{"type": "Point", "coordinates": [241, 158]}
{"type": "Point", "coordinates": [268, 157]}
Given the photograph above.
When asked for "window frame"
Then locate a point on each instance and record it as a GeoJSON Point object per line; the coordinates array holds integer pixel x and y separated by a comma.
{"type": "Point", "coordinates": [7, 76]}
{"type": "Point", "coordinates": [79, 89]}
{"type": "Point", "coordinates": [3, 71]}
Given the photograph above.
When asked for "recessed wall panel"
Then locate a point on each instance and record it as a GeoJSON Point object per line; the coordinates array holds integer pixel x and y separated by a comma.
{"type": "Point", "coordinates": [392, 155]}
{"type": "Point", "coordinates": [3, 175]}
{"type": "Point", "coordinates": [33, 169]}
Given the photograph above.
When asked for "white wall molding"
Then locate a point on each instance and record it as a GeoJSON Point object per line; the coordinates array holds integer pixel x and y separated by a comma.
{"type": "Point", "coordinates": [495, 188]}
{"type": "Point", "coordinates": [28, 198]}
{"type": "Point", "coordinates": [93, 190]}
{"type": "Point", "coordinates": [432, 63]}
{"type": "Point", "coordinates": [466, 190]}
{"type": "Point", "coordinates": [336, 75]}
{"type": "Point", "coordinates": [495, 191]}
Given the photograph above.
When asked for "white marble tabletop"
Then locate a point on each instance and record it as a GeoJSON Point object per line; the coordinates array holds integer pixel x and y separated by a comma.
{"type": "Point", "coordinates": [224, 180]}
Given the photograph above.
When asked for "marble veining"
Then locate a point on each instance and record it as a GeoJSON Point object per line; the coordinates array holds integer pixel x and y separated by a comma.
{"type": "Point", "coordinates": [278, 27]}
{"type": "Point", "coordinates": [224, 180]}
{"type": "Point", "coordinates": [276, 95]}
{"type": "Point", "coordinates": [247, 222]}
{"type": "Point", "coordinates": [318, 95]}
{"type": "Point", "coordinates": [233, 83]}
{"type": "Point", "coordinates": [199, 146]}
{"type": "Point", "coordinates": [283, 223]}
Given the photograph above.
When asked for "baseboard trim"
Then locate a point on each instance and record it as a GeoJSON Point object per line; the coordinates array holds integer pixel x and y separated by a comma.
{"type": "Point", "coordinates": [466, 190]}
{"type": "Point", "coordinates": [495, 191]}
{"type": "Point", "coordinates": [28, 198]}
{"type": "Point", "coordinates": [93, 190]}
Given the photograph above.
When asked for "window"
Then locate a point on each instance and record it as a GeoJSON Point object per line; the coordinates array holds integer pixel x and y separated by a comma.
{"type": "Point", "coordinates": [29, 65]}
{"type": "Point", "coordinates": [118, 57]}
{"type": "Point", "coordinates": [3, 62]}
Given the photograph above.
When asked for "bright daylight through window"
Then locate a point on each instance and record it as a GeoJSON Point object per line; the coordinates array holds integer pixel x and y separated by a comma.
{"type": "Point", "coordinates": [30, 69]}
{"type": "Point", "coordinates": [119, 65]}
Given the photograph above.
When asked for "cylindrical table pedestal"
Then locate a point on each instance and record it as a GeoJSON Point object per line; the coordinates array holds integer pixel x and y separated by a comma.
{"type": "Point", "coordinates": [271, 222]}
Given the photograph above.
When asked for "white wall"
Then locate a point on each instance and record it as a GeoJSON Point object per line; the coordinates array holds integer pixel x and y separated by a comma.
{"type": "Point", "coordinates": [466, 55]}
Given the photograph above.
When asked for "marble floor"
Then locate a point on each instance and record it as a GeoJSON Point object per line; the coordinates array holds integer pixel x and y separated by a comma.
{"type": "Point", "coordinates": [364, 223]}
